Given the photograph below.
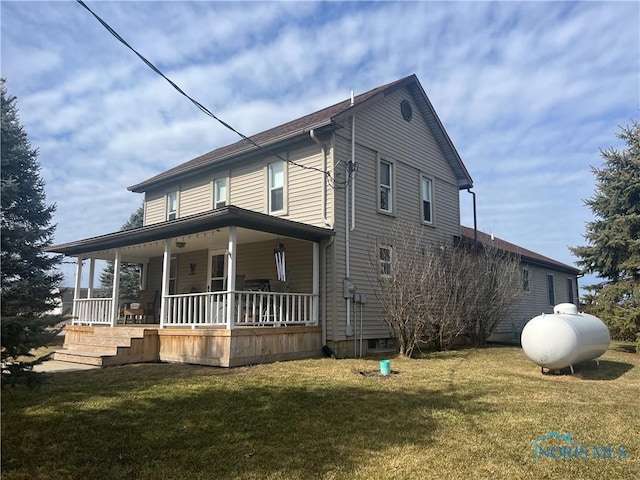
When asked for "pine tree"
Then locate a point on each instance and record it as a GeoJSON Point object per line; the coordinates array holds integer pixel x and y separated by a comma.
{"type": "Point", "coordinates": [28, 277]}
{"type": "Point", "coordinates": [614, 238]}
{"type": "Point", "coordinates": [129, 272]}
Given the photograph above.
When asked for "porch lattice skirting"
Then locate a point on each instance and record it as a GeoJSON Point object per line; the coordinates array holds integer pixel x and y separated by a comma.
{"type": "Point", "coordinates": [101, 345]}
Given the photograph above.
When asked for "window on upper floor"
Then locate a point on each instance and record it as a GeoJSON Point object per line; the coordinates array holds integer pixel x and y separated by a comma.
{"type": "Point", "coordinates": [570, 290]}
{"type": "Point", "coordinates": [385, 179]}
{"type": "Point", "coordinates": [550, 291]}
{"type": "Point", "coordinates": [427, 200]}
{"type": "Point", "coordinates": [172, 205]}
{"type": "Point", "coordinates": [385, 256]}
{"type": "Point", "coordinates": [219, 192]}
{"type": "Point", "coordinates": [526, 287]}
{"type": "Point", "coordinates": [276, 187]}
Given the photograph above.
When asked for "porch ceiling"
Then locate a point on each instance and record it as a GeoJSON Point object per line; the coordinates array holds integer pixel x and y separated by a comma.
{"type": "Point", "coordinates": [200, 231]}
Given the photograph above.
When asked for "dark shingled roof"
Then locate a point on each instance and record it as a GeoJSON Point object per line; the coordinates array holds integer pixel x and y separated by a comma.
{"type": "Point", "coordinates": [329, 118]}
{"type": "Point", "coordinates": [525, 255]}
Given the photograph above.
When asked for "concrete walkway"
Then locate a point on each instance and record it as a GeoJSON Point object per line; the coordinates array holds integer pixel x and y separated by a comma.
{"type": "Point", "coordinates": [52, 366]}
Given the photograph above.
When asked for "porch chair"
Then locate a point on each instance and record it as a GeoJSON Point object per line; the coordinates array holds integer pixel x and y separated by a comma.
{"type": "Point", "coordinates": [145, 308]}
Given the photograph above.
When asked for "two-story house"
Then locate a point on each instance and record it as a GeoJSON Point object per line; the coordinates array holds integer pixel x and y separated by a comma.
{"type": "Point", "coordinates": [263, 253]}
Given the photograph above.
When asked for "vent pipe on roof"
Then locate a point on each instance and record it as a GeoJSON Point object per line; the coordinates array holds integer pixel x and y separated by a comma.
{"type": "Point", "coordinates": [352, 98]}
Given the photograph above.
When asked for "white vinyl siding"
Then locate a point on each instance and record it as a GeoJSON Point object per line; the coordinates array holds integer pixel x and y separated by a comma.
{"type": "Point", "coordinates": [383, 135]}
{"type": "Point", "coordinates": [426, 194]}
{"type": "Point", "coordinates": [219, 192]}
{"type": "Point", "coordinates": [195, 197]}
{"type": "Point", "coordinates": [154, 211]}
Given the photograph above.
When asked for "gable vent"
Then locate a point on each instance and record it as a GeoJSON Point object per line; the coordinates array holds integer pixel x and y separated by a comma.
{"type": "Point", "coordinates": [407, 111]}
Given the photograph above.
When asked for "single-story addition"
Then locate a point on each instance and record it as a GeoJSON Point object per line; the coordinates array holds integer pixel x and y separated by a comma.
{"type": "Point", "coordinates": [545, 283]}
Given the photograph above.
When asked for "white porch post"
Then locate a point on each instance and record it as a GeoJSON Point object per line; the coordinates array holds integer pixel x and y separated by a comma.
{"type": "Point", "coordinates": [231, 276]}
{"type": "Point", "coordinates": [166, 270]}
{"type": "Point", "coordinates": [92, 272]}
{"type": "Point", "coordinates": [316, 282]}
{"type": "Point", "coordinates": [115, 294]}
{"type": "Point", "coordinates": [143, 275]}
{"type": "Point", "coordinates": [76, 292]}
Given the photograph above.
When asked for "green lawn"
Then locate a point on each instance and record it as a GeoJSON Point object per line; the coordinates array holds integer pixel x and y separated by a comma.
{"type": "Point", "coordinates": [454, 415]}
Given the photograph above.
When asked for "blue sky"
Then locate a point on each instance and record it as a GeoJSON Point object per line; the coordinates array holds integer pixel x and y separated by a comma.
{"type": "Point", "coordinates": [528, 92]}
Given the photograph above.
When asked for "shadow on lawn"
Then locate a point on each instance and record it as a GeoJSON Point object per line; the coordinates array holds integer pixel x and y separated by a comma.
{"type": "Point", "coordinates": [222, 429]}
{"type": "Point", "coordinates": [590, 370]}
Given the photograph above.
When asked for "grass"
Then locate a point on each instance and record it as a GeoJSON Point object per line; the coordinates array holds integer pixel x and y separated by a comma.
{"type": "Point", "coordinates": [454, 415]}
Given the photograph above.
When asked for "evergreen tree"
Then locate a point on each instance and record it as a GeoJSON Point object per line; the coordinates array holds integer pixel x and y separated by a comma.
{"type": "Point", "coordinates": [28, 277]}
{"type": "Point", "coordinates": [614, 238]}
{"type": "Point", "coordinates": [129, 272]}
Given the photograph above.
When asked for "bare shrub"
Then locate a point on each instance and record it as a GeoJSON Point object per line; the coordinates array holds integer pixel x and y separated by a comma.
{"type": "Point", "coordinates": [437, 292]}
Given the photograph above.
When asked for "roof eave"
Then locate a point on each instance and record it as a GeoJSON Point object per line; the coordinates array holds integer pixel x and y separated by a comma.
{"type": "Point", "coordinates": [223, 217]}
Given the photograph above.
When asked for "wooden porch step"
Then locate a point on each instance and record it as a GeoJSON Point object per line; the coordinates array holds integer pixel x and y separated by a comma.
{"type": "Point", "coordinates": [104, 346]}
{"type": "Point", "coordinates": [74, 356]}
{"type": "Point", "coordinates": [93, 348]}
{"type": "Point", "coordinates": [108, 340]}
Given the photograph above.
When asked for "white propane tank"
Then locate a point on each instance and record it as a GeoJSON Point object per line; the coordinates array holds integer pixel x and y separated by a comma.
{"type": "Point", "coordinates": [564, 338]}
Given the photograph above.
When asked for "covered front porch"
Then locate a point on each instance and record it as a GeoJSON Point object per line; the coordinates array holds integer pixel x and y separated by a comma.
{"type": "Point", "coordinates": [220, 283]}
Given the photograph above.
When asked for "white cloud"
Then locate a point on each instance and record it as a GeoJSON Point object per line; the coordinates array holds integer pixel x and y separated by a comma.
{"type": "Point", "coordinates": [527, 91]}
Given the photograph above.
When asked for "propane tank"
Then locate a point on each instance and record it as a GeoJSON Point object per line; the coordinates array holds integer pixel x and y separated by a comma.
{"type": "Point", "coordinates": [564, 338]}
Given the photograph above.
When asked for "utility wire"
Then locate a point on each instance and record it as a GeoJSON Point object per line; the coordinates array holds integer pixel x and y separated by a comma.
{"type": "Point", "coordinates": [205, 110]}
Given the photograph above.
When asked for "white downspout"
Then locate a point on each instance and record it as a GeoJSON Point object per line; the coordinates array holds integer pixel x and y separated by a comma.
{"type": "Point", "coordinates": [312, 134]}
{"type": "Point", "coordinates": [351, 170]}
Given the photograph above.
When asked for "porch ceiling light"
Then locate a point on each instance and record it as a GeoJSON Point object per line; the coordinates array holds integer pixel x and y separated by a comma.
{"type": "Point", "coordinates": [180, 244]}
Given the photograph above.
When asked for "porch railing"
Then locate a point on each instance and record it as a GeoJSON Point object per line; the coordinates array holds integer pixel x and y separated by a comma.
{"type": "Point", "coordinates": [92, 311]}
{"type": "Point", "coordinates": [250, 309]}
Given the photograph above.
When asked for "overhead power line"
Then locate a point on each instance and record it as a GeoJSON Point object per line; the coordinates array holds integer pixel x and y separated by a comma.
{"type": "Point", "coordinates": [201, 107]}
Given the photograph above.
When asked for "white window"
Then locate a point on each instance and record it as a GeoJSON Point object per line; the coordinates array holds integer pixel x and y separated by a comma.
{"type": "Point", "coordinates": [570, 290]}
{"type": "Point", "coordinates": [526, 287]}
{"type": "Point", "coordinates": [220, 193]}
{"type": "Point", "coordinates": [385, 255]}
{"type": "Point", "coordinates": [172, 206]}
{"type": "Point", "coordinates": [386, 182]}
{"type": "Point", "coordinates": [276, 187]}
{"type": "Point", "coordinates": [550, 291]}
{"type": "Point", "coordinates": [427, 200]}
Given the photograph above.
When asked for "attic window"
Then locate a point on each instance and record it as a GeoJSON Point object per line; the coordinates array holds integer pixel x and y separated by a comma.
{"type": "Point", "coordinates": [407, 111]}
